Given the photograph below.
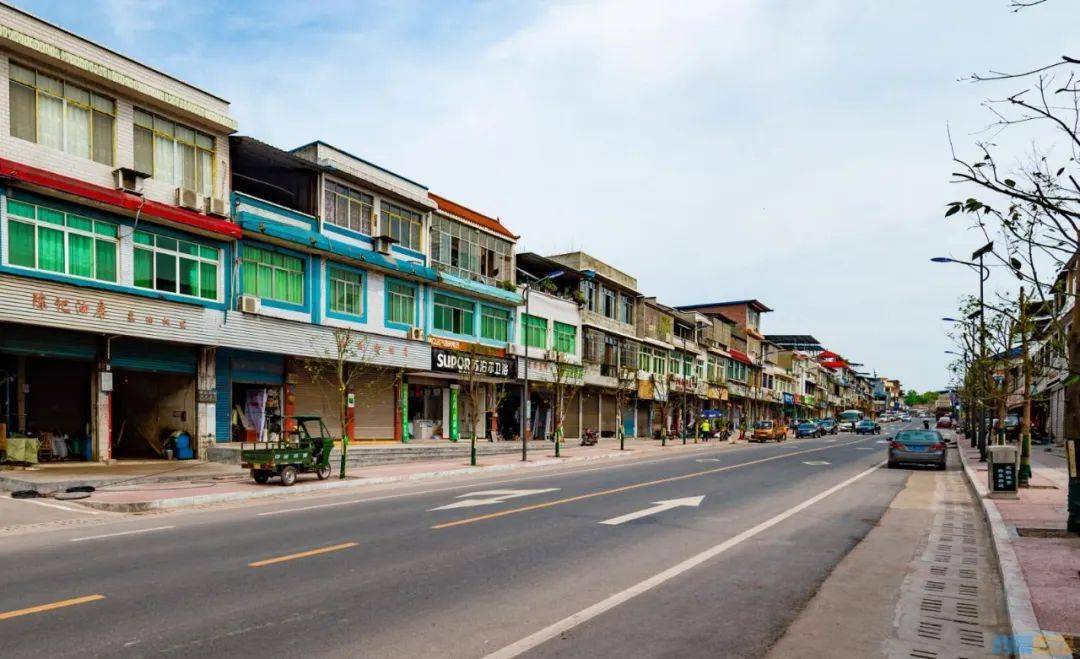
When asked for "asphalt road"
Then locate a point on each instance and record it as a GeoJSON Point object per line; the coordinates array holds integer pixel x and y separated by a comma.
{"type": "Point", "coordinates": [534, 572]}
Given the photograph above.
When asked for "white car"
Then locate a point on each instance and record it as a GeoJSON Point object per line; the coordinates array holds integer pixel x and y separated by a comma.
{"type": "Point", "coordinates": [846, 426]}
{"type": "Point", "coordinates": [905, 418]}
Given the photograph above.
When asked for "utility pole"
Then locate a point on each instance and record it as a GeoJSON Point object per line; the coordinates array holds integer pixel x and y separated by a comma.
{"type": "Point", "coordinates": [1025, 430]}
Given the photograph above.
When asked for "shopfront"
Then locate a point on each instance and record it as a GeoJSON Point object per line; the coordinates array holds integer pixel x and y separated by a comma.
{"type": "Point", "coordinates": [153, 398]}
{"type": "Point", "coordinates": [466, 381]}
{"type": "Point", "coordinates": [250, 395]}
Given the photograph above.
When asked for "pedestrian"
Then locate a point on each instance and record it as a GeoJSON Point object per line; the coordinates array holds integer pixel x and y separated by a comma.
{"type": "Point", "coordinates": [706, 428]}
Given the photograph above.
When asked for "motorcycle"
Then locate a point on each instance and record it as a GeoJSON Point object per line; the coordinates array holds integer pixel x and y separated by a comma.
{"type": "Point", "coordinates": [590, 437]}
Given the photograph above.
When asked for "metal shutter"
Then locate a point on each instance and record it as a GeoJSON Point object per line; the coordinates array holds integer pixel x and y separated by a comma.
{"type": "Point", "coordinates": [317, 399]}
{"type": "Point", "coordinates": [141, 355]}
{"type": "Point", "coordinates": [607, 413]}
{"type": "Point", "coordinates": [47, 342]}
{"type": "Point", "coordinates": [223, 404]}
{"type": "Point", "coordinates": [590, 409]}
{"type": "Point", "coordinates": [644, 428]}
{"type": "Point", "coordinates": [375, 407]}
{"type": "Point", "coordinates": [571, 411]}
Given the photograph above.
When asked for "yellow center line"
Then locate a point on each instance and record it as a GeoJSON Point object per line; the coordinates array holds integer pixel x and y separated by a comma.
{"type": "Point", "coordinates": [49, 607]}
{"type": "Point", "coordinates": [624, 488]}
{"type": "Point", "coordinates": [303, 554]}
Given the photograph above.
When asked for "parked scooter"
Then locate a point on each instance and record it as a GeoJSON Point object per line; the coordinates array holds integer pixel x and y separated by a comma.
{"type": "Point", "coordinates": [590, 437]}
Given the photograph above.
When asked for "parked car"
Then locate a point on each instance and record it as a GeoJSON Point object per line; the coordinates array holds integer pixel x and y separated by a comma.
{"type": "Point", "coordinates": [846, 426]}
{"type": "Point", "coordinates": [766, 430]}
{"type": "Point", "coordinates": [925, 447]}
{"type": "Point", "coordinates": [828, 426]}
{"type": "Point", "coordinates": [905, 417]}
{"type": "Point", "coordinates": [808, 429]}
{"type": "Point", "coordinates": [867, 427]}
{"type": "Point", "coordinates": [945, 422]}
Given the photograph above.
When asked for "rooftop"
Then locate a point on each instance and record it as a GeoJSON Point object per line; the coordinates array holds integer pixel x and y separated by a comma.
{"type": "Point", "coordinates": [756, 305]}
{"type": "Point", "coordinates": [468, 214]}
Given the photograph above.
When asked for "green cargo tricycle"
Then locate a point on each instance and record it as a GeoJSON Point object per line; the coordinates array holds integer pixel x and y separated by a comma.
{"type": "Point", "coordinates": [306, 449]}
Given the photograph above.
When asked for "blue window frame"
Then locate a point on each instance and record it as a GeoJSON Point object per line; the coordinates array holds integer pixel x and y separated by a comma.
{"type": "Point", "coordinates": [402, 304]}
{"type": "Point", "coordinates": [346, 293]}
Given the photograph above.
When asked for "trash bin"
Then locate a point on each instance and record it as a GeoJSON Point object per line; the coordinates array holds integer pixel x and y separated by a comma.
{"type": "Point", "coordinates": [1001, 471]}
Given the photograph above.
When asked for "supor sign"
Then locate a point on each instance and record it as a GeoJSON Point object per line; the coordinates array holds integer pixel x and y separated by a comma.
{"type": "Point", "coordinates": [450, 361]}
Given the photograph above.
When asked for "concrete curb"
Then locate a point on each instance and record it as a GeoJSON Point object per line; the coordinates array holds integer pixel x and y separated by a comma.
{"type": "Point", "coordinates": [1023, 624]}
{"type": "Point", "coordinates": [303, 488]}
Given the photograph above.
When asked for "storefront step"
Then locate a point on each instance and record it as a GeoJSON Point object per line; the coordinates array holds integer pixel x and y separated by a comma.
{"type": "Point", "coordinates": [366, 455]}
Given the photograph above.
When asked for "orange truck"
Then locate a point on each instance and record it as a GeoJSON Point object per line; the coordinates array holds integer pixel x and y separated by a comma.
{"type": "Point", "coordinates": [766, 430]}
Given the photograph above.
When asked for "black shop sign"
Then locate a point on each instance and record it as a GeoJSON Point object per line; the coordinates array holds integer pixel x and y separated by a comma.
{"type": "Point", "coordinates": [1004, 476]}
{"type": "Point", "coordinates": [451, 361]}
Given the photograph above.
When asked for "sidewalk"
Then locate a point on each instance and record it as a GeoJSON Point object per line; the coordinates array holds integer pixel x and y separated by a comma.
{"type": "Point", "coordinates": [234, 484]}
{"type": "Point", "coordinates": [1038, 562]}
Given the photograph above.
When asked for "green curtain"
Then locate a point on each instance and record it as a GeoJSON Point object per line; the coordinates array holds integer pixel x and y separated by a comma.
{"type": "Point", "coordinates": [189, 277]}
{"type": "Point", "coordinates": [21, 244]}
{"type": "Point", "coordinates": [50, 249]}
{"type": "Point", "coordinates": [144, 268]}
{"type": "Point", "coordinates": [81, 255]}
{"type": "Point", "coordinates": [208, 281]}
{"type": "Point", "coordinates": [105, 256]}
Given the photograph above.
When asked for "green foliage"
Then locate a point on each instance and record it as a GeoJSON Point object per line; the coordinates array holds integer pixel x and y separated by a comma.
{"type": "Point", "coordinates": [913, 398]}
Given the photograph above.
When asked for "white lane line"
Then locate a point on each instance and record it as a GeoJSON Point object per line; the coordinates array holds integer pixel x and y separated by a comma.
{"type": "Point", "coordinates": [118, 533]}
{"type": "Point", "coordinates": [568, 623]}
{"type": "Point", "coordinates": [816, 463]}
{"type": "Point", "coordinates": [867, 448]}
{"type": "Point", "coordinates": [55, 505]}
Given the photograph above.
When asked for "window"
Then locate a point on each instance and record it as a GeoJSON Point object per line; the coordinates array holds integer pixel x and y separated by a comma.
{"type": "Point", "coordinates": [659, 363]}
{"type": "Point", "coordinates": [166, 264]}
{"type": "Point", "coordinates": [346, 291]}
{"type": "Point", "coordinates": [348, 208]}
{"type": "Point", "coordinates": [609, 302]}
{"type": "Point", "coordinates": [402, 225]}
{"type": "Point", "coordinates": [400, 303]}
{"type": "Point", "coordinates": [61, 115]}
{"type": "Point", "coordinates": [626, 309]}
{"type": "Point", "coordinates": [588, 289]}
{"type": "Point", "coordinates": [565, 337]}
{"type": "Point", "coordinates": [454, 315]}
{"type": "Point", "coordinates": [535, 331]}
{"type": "Point", "coordinates": [645, 359]}
{"type": "Point", "coordinates": [174, 153]}
{"type": "Point", "coordinates": [494, 324]}
{"type": "Point", "coordinates": [53, 241]}
{"type": "Point", "coordinates": [468, 252]}
{"type": "Point", "coordinates": [272, 275]}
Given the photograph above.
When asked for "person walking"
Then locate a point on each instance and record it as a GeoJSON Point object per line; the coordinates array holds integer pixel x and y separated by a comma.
{"type": "Point", "coordinates": [706, 428]}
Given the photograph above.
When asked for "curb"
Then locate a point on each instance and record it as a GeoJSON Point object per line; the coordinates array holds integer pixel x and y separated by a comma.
{"type": "Point", "coordinates": [201, 499]}
{"type": "Point", "coordinates": [1023, 624]}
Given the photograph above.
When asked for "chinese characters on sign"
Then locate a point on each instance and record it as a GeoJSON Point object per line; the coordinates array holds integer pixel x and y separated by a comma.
{"type": "Point", "coordinates": [81, 307]}
{"type": "Point", "coordinates": [449, 361]}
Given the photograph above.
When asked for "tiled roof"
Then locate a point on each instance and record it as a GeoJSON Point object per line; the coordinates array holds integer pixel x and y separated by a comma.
{"type": "Point", "coordinates": [469, 214]}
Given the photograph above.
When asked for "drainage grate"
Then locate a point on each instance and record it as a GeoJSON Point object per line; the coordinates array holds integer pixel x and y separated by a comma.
{"type": "Point", "coordinates": [972, 637]}
{"type": "Point", "coordinates": [931, 630]}
{"type": "Point", "coordinates": [967, 610]}
{"type": "Point", "coordinates": [922, 654]}
{"type": "Point", "coordinates": [931, 605]}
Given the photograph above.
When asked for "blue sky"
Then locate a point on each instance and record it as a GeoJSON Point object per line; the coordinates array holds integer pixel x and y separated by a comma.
{"type": "Point", "coordinates": [789, 150]}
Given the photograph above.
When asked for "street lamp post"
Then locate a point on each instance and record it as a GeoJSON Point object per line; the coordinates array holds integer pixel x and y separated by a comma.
{"type": "Point", "coordinates": [984, 274]}
{"type": "Point", "coordinates": [526, 409]}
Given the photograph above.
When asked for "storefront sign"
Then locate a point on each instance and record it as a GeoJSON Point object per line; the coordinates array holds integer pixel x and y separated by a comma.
{"type": "Point", "coordinates": [789, 399]}
{"type": "Point", "coordinates": [450, 361]}
{"type": "Point", "coordinates": [74, 306]}
{"type": "Point", "coordinates": [455, 428]}
{"type": "Point", "coordinates": [463, 346]}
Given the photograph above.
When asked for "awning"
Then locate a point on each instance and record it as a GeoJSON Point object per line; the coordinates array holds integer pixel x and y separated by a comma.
{"type": "Point", "coordinates": [740, 356]}
{"type": "Point", "coordinates": [116, 198]}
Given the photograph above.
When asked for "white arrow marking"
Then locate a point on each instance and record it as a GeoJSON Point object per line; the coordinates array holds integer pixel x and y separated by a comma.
{"type": "Point", "coordinates": [658, 507]}
{"type": "Point", "coordinates": [865, 448]}
{"type": "Point", "coordinates": [707, 460]}
{"type": "Point", "coordinates": [492, 497]}
{"type": "Point", "coordinates": [882, 441]}
{"type": "Point", "coordinates": [815, 463]}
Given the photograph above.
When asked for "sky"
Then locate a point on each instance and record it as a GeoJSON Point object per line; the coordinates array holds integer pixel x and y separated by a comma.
{"type": "Point", "coordinates": [793, 151]}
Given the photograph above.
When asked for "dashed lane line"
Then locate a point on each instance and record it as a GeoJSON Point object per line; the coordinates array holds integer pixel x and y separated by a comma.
{"type": "Point", "coordinates": [41, 608]}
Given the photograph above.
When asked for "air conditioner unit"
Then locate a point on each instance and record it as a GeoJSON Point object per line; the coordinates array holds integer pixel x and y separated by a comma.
{"type": "Point", "coordinates": [128, 180]}
{"type": "Point", "coordinates": [215, 206]}
{"type": "Point", "coordinates": [416, 334]}
{"type": "Point", "coordinates": [188, 199]}
{"type": "Point", "coordinates": [249, 304]}
{"type": "Point", "coordinates": [382, 243]}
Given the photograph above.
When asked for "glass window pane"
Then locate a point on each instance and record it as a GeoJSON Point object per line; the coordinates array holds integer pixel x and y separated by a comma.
{"type": "Point", "coordinates": [206, 173]}
{"type": "Point", "coordinates": [103, 138]}
{"type": "Point", "coordinates": [22, 106]}
{"type": "Point", "coordinates": [208, 252]}
{"type": "Point", "coordinates": [50, 249]}
{"type": "Point", "coordinates": [144, 150]}
{"type": "Point", "coordinates": [80, 255]}
{"type": "Point", "coordinates": [249, 283]}
{"type": "Point", "coordinates": [187, 166]}
{"type": "Point", "coordinates": [80, 223]}
{"type": "Point", "coordinates": [163, 159]}
{"type": "Point", "coordinates": [51, 216]}
{"type": "Point", "coordinates": [208, 281]}
{"type": "Point", "coordinates": [105, 259]}
{"type": "Point", "coordinates": [102, 104]}
{"type": "Point", "coordinates": [105, 229]}
{"type": "Point", "coordinates": [189, 248]}
{"type": "Point", "coordinates": [204, 141]}
{"type": "Point", "coordinates": [50, 85]}
{"type": "Point", "coordinates": [165, 272]}
{"type": "Point", "coordinates": [189, 277]}
{"type": "Point", "coordinates": [265, 281]}
{"type": "Point", "coordinates": [163, 126]}
{"type": "Point", "coordinates": [166, 243]}
{"type": "Point", "coordinates": [50, 121]}
{"type": "Point", "coordinates": [20, 209]}
{"type": "Point", "coordinates": [23, 74]}
{"type": "Point", "coordinates": [144, 119]}
{"type": "Point", "coordinates": [144, 268]}
{"type": "Point", "coordinates": [143, 238]}
{"type": "Point", "coordinates": [77, 94]}
{"type": "Point", "coordinates": [21, 244]}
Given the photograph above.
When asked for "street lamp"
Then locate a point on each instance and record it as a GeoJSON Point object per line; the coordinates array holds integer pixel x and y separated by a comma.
{"type": "Point", "coordinates": [526, 416]}
{"type": "Point", "coordinates": [984, 274]}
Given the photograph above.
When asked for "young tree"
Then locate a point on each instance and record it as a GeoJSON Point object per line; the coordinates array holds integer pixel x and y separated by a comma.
{"type": "Point", "coordinates": [625, 391]}
{"type": "Point", "coordinates": [564, 389]}
{"type": "Point", "coordinates": [340, 367]}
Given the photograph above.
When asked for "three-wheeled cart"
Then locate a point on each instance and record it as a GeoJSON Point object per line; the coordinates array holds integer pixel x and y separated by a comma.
{"type": "Point", "coordinates": [305, 447]}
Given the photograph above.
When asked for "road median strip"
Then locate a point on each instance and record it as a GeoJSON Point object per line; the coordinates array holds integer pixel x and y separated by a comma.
{"type": "Point", "coordinates": [41, 608]}
{"type": "Point", "coordinates": [303, 554]}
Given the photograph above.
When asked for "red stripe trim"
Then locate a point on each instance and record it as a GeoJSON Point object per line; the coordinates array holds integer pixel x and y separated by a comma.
{"type": "Point", "coordinates": [738, 355]}
{"type": "Point", "coordinates": [117, 198]}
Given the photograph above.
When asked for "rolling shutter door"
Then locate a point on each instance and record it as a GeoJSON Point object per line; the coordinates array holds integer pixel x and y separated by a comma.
{"type": "Point", "coordinates": [139, 355]}
{"type": "Point", "coordinates": [223, 403]}
{"type": "Point", "coordinates": [643, 427]}
{"type": "Point", "coordinates": [317, 399]}
{"type": "Point", "coordinates": [375, 406]}
{"type": "Point", "coordinates": [47, 342]}
{"type": "Point", "coordinates": [590, 409]}
{"type": "Point", "coordinates": [572, 413]}
{"type": "Point", "coordinates": [257, 367]}
{"type": "Point", "coordinates": [607, 412]}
